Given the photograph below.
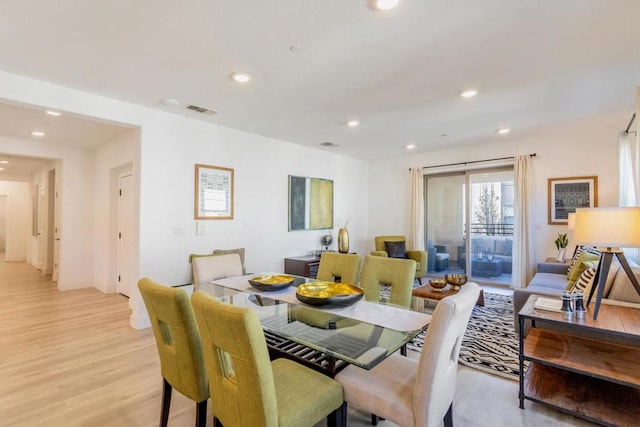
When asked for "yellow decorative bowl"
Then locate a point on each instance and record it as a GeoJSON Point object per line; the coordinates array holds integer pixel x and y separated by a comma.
{"type": "Point", "coordinates": [456, 280]}
{"type": "Point", "coordinates": [272, 282]}
{"type": "Point", "coordinates": [437, 284]}
{"type": "Point", "coordinates": [323, 293]}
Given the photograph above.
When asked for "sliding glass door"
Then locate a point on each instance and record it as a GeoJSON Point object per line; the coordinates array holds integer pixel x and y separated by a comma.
{"type": "Point", "coordinates": [469, 224]}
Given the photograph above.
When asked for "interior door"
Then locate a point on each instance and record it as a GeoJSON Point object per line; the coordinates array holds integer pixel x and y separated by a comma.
{"type": "Point", "coordinates": [41, 235]}
{"type": "Point", "coordinates": [125, 235]}
{"type": "Point", "coordinates": [56, 233]}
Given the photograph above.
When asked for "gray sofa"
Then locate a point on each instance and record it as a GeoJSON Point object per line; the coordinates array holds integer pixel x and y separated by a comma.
{"type": "Point", "coordinates": [551, 280]}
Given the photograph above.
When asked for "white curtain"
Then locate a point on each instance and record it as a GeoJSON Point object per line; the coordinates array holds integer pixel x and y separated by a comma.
{"type": "Point", "coordinates": [628, 174]}
{"type": "Point", "coordinates": [523, 250]}
{"type": "Point", "coordinates": [415, 239]}
{"type": "Point", "coordinates": [629, 179]}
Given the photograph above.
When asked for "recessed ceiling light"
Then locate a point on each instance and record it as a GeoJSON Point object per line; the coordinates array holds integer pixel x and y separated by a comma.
{"type": "Point", "coordinates": [353, 123]}
{"type": "Point", "coordinates": [410, 146]}
{"type": "Point", "coordinates": [295, 48]}
{"type": "Point", "coordinates": [385, 4]}
{"type": "Point", "coordinates": [169, 101]}
{"type": "Point", "coordinates": [53, 113]}
{"type": "Point", "coordinates": [37, 133]}
{"type": "Point", "coordinates": [470, 93]}
{"type": "Point", "coordinates": [329, 144]}
{"type": "Point", "coordinates": [503, 131]}
{"type": "Point", "coordinates": [241, 77]}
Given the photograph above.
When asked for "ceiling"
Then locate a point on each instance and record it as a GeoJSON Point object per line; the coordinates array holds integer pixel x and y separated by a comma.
{"type": "Point", "coordinates": [318, 63]}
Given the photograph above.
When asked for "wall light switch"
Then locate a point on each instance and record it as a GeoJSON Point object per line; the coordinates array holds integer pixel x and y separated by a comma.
{"type": "Point", "coordinates": [178, 231]}
{"type": "Point", "coordinates": [201, 228]}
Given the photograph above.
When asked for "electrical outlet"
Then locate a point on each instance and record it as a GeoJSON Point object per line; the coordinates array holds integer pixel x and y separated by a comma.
{"type": "Point", "coordinates": [201, 228]}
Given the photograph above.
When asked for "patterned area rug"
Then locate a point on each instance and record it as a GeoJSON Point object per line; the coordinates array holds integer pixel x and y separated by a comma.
{"type": "Point", "coordinates": [490, 343]}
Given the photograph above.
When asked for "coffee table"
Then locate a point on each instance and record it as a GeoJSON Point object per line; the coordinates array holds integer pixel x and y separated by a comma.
{"type": "Point", "coordinates": [427, 292]}
{"type": "Point", "coordinates": [486, 268]}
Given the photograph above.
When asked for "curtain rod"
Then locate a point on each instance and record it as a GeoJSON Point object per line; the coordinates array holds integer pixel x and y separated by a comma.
{"type": "Point", "coordinates": [474, 161]}
{"type": "Point", "coordinates": [633, 117]}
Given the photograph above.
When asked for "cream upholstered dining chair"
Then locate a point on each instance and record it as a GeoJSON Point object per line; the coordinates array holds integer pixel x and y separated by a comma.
{"type": "Point", "coordinates": [395, 247]}
{"type": "Point", "coordinates": [250, 389]}
{"type": "Point", "coordinates": [394, 272]}
{"type": "Point", "coordinates": [179, 347]}
{"type": "Point", "coordinates": [417, 392]}
{"type": "Point", "coordinates": [334, 265]}
{"type": "Point", "coordinates": [208, 268]}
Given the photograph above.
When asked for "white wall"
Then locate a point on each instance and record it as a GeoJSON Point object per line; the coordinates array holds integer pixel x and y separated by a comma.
{"type": "Point", "coordinates": [18, 218]}
{"type": "Point", "coordinates": [170, 146]}
{"type": "Point", "coordinates": [583, 148]}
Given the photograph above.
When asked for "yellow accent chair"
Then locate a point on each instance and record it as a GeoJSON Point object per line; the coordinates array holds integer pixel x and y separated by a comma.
{"type": "Point", "coordinates": [250, 389]}
{"type": "Point", "coordinates": [394, 272]}
{"type": "Point", "coordinates": [334, 265]}
{"type": "Point", "coordinates": [179, 347]}
{"type": "Point", "coordinates": [420, 392]}
{"type": "Point", "coordinates": [419, 256]}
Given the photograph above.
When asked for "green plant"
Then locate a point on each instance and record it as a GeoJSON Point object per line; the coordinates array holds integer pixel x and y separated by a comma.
{"type": "Point", "coordinates": [562, 241]}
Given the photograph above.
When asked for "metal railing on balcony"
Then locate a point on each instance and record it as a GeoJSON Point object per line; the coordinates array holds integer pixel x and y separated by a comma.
{"type": "Point", "coordinates": [502, 229]}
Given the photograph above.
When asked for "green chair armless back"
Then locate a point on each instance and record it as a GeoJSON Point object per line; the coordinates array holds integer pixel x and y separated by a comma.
{"type": "Point", "coordinates": [334, 264]}
{"type": "Point", "coordinates": [179, 347]}
{"type": "Point", "coordinates": [250, 389]}
{"type": "Point", "coordinates": [395, 272]}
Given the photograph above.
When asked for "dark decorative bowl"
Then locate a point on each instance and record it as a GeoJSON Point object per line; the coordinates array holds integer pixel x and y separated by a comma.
{"type": "Point", "coordinates": [438, 284]}
{"type": "Point", "coordinates": [324, 293]}
{"type": "Point", "coordinates": [456, 280]}
{"type": "Point", "coordinates": [271, 282]}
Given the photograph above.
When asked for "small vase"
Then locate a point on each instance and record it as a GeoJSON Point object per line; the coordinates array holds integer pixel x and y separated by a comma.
{"type": "Point", "coordinates": [343, 241]}
{"type": "Point", "coordinates": [561, 254]}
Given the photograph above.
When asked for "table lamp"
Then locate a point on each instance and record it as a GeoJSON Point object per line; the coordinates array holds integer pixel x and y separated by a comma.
{"type": "Point", "coordinates": [609, 229]}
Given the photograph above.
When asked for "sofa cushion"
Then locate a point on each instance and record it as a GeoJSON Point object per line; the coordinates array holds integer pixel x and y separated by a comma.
{"type": "Point", "coordinates": [549, 282]}
{"type": "Point", "coordinates": [396, 249]}
{"type": "Point", "coordinates": [579, 266]}
{"type": "Point", "coordinates": [622, 289]}
{"type": "Point", "coordinates": [585, 282]}
{"type": "Point", "coordinates": [579, 250]}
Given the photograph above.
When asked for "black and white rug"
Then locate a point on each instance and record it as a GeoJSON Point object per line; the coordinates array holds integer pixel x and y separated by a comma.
{"type": "Point", "coordinates": [490, 343]}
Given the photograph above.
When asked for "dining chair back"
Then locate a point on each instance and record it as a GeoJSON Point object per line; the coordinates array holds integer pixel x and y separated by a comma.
{"type": "Point", "coordinates": [417, 393]}
{"type": "Point", "coordinates": [179, 347]}
{"type": "Point", "coordinates": [250, 389]}
{"type": "Point", "coordinates": [334, 266]}
{"type": "Point", "coordinates": [394, 272]}
{"type": "Point", "coordinates": [213, 267]}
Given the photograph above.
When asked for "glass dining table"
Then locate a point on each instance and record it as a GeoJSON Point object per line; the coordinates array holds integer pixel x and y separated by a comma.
{"type": "Point", "coordinates": [325, 338]}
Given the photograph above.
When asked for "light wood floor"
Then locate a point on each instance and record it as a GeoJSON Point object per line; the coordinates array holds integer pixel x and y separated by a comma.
{"type": "Point", "coordinates": [71, 359]}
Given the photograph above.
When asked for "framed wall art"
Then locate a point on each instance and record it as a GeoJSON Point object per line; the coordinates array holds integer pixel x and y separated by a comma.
{"type": "Point", "coordinates": [214, 192]}
{"type": "Point", "coordinates": [310, 203]}
{"type": "Point", "coordinates": [568, 194]}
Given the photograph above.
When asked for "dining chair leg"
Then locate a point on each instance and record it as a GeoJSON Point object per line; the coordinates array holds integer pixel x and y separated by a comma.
{"type": "Point", "coordinates": [448, 417]}
{"type": "Point", "coordinates": [403, 350]}
{"type": "Point", "coordinates": [201, 414]}
{"type": "Point", "coordinates": [338, 418]}
{"type": "Point", "coordinates": [374, 419]}
{"type": "Point", "coordinates": [166, 403]}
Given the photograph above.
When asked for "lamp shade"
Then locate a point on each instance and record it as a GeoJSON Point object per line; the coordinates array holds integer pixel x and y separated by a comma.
{"type": "Point", "coordinates": [610, 227]}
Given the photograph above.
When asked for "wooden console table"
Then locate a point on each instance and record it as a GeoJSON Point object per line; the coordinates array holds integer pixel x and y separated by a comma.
{"type": "Point", "coordinates": [306, 266]}
{"type": "Point", "coordinates": [597, 379]}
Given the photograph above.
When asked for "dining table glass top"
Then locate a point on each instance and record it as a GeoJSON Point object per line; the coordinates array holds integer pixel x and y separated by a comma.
{"type": "Point", "coordinates": [361, 334]}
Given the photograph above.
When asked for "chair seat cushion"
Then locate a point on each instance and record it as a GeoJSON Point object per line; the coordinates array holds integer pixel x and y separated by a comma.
{"type": "Point", "coordinates": [441, 256]}
{"type": "Point", "coordinates": [304, 396]}
{"type": "Point", "coordinates": [370, 389]}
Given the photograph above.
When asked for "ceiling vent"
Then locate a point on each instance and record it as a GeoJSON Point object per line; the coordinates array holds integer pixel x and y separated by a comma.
{"type": "Point", "coordinates": [201, 110]}
{"type": "Point", "coordinates": [329, 144]}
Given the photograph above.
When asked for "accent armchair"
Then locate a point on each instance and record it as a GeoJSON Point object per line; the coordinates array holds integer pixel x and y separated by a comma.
{"type": "Point", "coordinates": [438, 257]}
{"type": "Point", "coordinates": [382, 243]}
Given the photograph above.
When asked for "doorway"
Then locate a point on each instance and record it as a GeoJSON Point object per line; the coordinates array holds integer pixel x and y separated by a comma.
{"type": "Point", "coordinates": [470, 212]}
{"type": "Point", "coordinates": [125, 237]}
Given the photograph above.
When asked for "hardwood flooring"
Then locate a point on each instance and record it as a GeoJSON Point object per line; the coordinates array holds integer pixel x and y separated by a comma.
{"type": "Point", "coordinates": [70, 359]}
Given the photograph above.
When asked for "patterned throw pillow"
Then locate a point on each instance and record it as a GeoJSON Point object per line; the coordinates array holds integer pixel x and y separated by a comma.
{"type": "Point", "coordinates": [576, 256]}
{"type": "Point", "coordinates": [581, 264]}
{"type": "Point", "coordinates": [585, 282]}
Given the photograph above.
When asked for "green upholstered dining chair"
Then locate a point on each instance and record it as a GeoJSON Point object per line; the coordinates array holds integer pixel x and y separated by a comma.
{"type": "Point", "coordinates": [250, 389]}
{"type": "Point", "coordinates": [394, 272]}
{"type": "Point", "coordinates": [420, 392]}
{"type": "Point", "coordinates": [179, 347]}
{"type": "Point", "coordinates": [396, 247]}
{"type": "Point", "coordinates": [335, 265]}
